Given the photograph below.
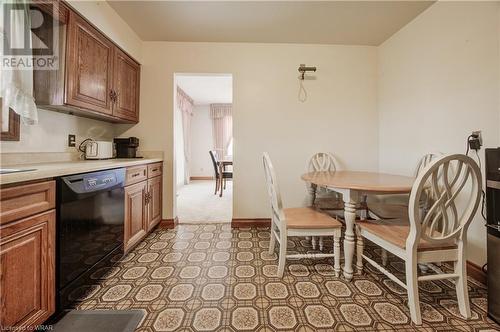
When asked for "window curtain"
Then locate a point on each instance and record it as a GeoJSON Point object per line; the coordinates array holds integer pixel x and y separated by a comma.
{"type": "Point", "coordinates": [185, 105]}
{"type": "Point", "coordinates": [16, 85]}
{"type": "Point", "coordinates": [222, 127]}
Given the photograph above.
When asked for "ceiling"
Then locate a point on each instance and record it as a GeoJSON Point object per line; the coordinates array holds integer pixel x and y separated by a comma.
{"type": "Point", "coordinates": [207, 89]}
{"type": "Point", "coordinates": [308, 22]}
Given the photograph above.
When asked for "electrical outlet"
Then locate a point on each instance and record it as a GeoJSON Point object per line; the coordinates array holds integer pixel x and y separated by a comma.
{"type": "Point", "coordinates": [478, 135]}
{"type": "Point", "coordinates": [476, 140]}
{"type": "Point", "coordinates": [71, 140]}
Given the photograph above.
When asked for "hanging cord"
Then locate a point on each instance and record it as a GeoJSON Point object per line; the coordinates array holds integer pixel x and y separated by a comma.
{"type": "Point", "coordinates": [467, 145]}
{"type": "Point", "coordinates": [483, 214]}
{"type": "Point", "coordinates": [302, 90]}
{"type": "Point", "coordinates": [483, 194]}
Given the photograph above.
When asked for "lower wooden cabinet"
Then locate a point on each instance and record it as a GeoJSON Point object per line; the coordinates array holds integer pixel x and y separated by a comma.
{"type": "Point", "coordinates": [143, 202]}
{"type": "Point", "coordinates": [27, 272]}
{"type": "Point", "coordinates": [135, 214]}
{"type": "Point", "coordinates": [154, 202]}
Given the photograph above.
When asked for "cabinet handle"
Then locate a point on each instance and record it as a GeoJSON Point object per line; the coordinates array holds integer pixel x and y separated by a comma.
{"type": "Point", "coordinates": [135, 174]}
{"type": "Point", "coordinates": [112, 96]}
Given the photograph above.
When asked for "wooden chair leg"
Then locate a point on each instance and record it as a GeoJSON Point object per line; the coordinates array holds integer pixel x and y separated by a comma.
{"type": "Point", "coordinates": [384, 257]}
{"type": "Point", "coordinates": [216, 185]}
{"type": "Point", "coordinates": [320, 243]}
{"type": "Point", "coordinates": [282, 256]}
{"type": "Point", "coordinates": [461, 287]}
{"type": "Point", "coordinates": [221, 187]}
{"type": "Point", "coordinates": [313, 242]}
{"type": "Point", "coordinates": [359, 251]}
{"type": "Point", "coordinates": [412, 289]}
{"type": "Point", "coordinates": [272, 241]}
{"type": "Point", "coordinates": [336, 252]}
{"type": "Point", "coordinates": [225, 180]}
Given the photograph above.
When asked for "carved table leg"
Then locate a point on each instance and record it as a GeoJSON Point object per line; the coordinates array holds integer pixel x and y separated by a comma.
{"type": "Point", "coordinates": [312, 194]}
{"type": "Point", "coordinates": [312, 197]}
{"type": "Point", "coordinates": [350, 201]}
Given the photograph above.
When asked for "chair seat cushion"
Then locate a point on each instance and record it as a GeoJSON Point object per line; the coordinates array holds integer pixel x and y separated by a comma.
{"type": "Point", "coordinates": [389, 211]}
{"type": "Point", "coordinates": [396, 231]}
{"type": "Point", "coordinates": [308, 218]}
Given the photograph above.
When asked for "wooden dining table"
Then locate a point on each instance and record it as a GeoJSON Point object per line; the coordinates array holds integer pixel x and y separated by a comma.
{"type": "Point", "coordinates": [353, 185]}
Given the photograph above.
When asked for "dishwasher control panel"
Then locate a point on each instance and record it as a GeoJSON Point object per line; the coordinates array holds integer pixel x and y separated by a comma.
{"type": "Point", "coordinates": [93, 182]}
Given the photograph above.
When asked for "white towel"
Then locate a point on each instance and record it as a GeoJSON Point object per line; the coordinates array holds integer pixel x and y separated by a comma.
{"type": "Point", "coordinates": [16, 85]}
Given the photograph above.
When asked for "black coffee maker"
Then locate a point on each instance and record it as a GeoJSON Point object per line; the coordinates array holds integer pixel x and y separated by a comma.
{"type": "Point", "coordinates": [126, 147]}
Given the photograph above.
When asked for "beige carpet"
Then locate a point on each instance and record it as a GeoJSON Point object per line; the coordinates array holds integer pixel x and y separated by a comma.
{"type": "Point", "coordinates": [196, 203]}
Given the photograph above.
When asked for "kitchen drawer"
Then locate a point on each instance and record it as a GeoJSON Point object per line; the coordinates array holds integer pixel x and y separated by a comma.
{"type": "Point", "coordinates": [155, 169]}
{"type": "Point", "coordinates": [22, 201]}
{"type": "Point", "coordinates": [136, 174]}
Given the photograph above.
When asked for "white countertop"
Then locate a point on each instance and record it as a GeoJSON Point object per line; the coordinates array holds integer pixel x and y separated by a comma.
{"type": "Point", "coordinates": [50, 170]}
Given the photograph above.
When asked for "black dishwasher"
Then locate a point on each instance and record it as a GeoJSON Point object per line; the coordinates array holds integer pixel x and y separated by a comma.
{"type": "Point", "coordinates": [493, 236]}
{"type": "Point", "coordinates": [90, 222]}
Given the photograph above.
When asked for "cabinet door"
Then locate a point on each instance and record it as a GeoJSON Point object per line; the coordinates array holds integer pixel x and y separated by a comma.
{"type": "Point", "coordinates": [126, 86]}
{"type": "Point", "coordinates": [135, 214]}
{"type": "Point", "coordinates": [27, 271]}
{"type": "Point", "coordinates": [89, 67]}
{"type": "Point", "coordinates": [154, 201]}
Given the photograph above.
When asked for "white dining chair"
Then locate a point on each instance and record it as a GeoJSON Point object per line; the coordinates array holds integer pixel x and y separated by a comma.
{"type": "Point", "coordinates": [396, 210]}
{"type": "Point", "coordinates": [437, 234]}
{"type": "Point", "coordinates": [323, 198]}
{"type": "Point", "coordinates": [302, 221]}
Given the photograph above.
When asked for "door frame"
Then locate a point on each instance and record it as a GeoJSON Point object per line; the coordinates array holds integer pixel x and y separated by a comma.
{"type": "Point", "coordinates": [174, 131]}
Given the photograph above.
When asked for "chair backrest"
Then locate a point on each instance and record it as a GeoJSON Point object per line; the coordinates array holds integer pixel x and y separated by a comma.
{"type": "Point", "coordinates": [448, 177]}
{"type": "Point", "coordinates": [322, 161]}
{"type": "Point", "coordinates": [426, 160]}
{"type": "Point", "coordinates": [213, 156]}
{"type": "Point", "coordinates": [278, 217]}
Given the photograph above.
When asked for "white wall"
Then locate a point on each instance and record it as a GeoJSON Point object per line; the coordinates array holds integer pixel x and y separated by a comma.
{"type": "Point", "coordinates": [438, 81]}
{"type": "Point", "coordinates": [201, 142]}
{"type": "Point", "coordinates": [100, 14]}
{"type": "Point", "coordinates": [340, 115]}
{"type": "Point", "coordinates": [51, 133]}
{"type": "Point", "coordinates": [178, 141]}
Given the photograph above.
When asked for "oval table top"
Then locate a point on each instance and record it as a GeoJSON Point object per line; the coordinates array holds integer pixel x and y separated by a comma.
{"type": "Point", "coordinates": [362, 181]}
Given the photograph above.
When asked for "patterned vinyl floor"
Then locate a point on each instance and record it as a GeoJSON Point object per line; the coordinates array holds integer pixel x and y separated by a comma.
{"type": "Point", "coordinates": [213, 278]}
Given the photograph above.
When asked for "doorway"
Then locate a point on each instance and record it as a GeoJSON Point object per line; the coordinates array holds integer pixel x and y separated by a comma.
{"type": "Point", "coordinates": [203, 148]}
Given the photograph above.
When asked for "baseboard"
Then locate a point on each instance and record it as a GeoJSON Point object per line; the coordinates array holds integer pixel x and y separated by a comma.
{"type": "Point", "coordinates": [201, 178]}
{"type": "Point", "coordinates": [476, 272]}
{"type": "Point", "coordinates": [255, 222]}
{"type": "Point", "coordinates": [168, 223]}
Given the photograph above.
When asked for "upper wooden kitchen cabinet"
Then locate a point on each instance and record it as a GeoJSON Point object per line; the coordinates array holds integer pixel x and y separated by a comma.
{"type": "Point", "coordinates": [89, 67]}
{"type": "Point", "coordinates": [126, 80]}
{"type": "Point", "coordinates": [94, 79]}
